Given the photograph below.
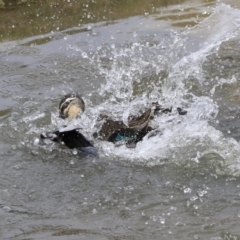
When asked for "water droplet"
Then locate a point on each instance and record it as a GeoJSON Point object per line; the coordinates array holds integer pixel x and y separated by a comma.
{"type": "Point", "coordinates": [72, 162]}
{"type": "Point", "coordinates": [89, 27]}
{"type": "Point", "coordinates": [195, 206]}
{"type": "Point", "coordinates": [94, 211]}
{"type": "Point", "coordinates": [34, 152]}
{"type": "Point", "coordinates": [202, 193]}
{"type": "Point", "coordinates": [84, 55]}
{"type": "Point", "coordinates": [36, 141]}
{"type": "Point", "coordinates": [14, 147]}
{"type": "Point", "coordinates": [173, 208]}
{"type": "Point", "coordinates": [74, 151]}
{"type": "Point", "coordinates": [154, 218]}
{"type": "Point", "coordinates": [162, 220]}
{"type": "Point", "coordinates": [187, 190]}
{"type": "Point", "coordinates": [193, 198]}
{"type": "Point", "coordinates": [7, 208]}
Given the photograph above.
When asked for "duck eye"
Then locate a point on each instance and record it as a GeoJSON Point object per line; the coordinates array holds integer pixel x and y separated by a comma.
{"type": "Point", "coordinates": [65, 104]}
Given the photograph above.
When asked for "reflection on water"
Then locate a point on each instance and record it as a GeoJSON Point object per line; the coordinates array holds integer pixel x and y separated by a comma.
{"type": "Point", "coordinates": [36, 18]}
{"type": "Point", "coordinates": [181, 182]}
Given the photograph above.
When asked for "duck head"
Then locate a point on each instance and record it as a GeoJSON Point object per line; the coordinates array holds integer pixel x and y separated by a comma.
{"type": "Point", "coordinates": [71, 106]}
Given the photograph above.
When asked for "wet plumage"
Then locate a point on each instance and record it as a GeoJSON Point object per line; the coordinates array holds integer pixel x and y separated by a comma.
{"type": "Point", "coordinates": [137, 126]}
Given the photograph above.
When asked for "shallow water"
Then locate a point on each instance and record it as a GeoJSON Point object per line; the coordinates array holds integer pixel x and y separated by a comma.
{"type": "Point", "coordinates": [181, 183]}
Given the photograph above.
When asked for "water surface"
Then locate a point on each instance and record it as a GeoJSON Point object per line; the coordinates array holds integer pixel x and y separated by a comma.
{"type": "Point", "coordinates": [181, 183]}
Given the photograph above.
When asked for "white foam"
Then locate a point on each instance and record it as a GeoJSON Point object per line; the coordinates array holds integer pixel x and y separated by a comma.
{"type": "Point", "coordinates": [181, 138]}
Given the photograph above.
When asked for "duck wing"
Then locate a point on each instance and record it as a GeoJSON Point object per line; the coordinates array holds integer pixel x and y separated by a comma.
{"type": "Point", "coordinates": [71, 137]}
{"type": "Point", "coordinates": [108, 127]}
{"type": "Point", "coordinates": [114, 131]}
{"type": "Point", "coordinates": [139, 122]}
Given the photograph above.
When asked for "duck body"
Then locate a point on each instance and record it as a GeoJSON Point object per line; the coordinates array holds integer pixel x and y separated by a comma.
{"type": "Point", "coordinates": [116, 131]}
{"type": "Point", "coordinates": [136, 128]}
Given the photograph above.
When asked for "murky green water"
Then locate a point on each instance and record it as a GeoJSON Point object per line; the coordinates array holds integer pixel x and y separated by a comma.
{"type": "Point", "coordinates": [182, 183]}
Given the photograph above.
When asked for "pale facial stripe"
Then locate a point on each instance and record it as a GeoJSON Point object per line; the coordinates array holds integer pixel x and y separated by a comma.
{"type": "Point", "coordinates": [68, 99]}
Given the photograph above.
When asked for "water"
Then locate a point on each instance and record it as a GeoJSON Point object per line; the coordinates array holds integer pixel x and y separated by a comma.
{"type": "Point", "coordinates": [181, 183]}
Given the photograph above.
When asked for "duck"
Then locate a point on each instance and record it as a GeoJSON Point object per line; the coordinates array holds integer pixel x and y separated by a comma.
{"type": "Point", "coordinates": [71, 106]}
{"type": "Point", "coordinates": [116, 131]}
{"type": "Point", "coordinates": [136, 128]}
{"type": "Point", "coordinates": [120, 132]}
